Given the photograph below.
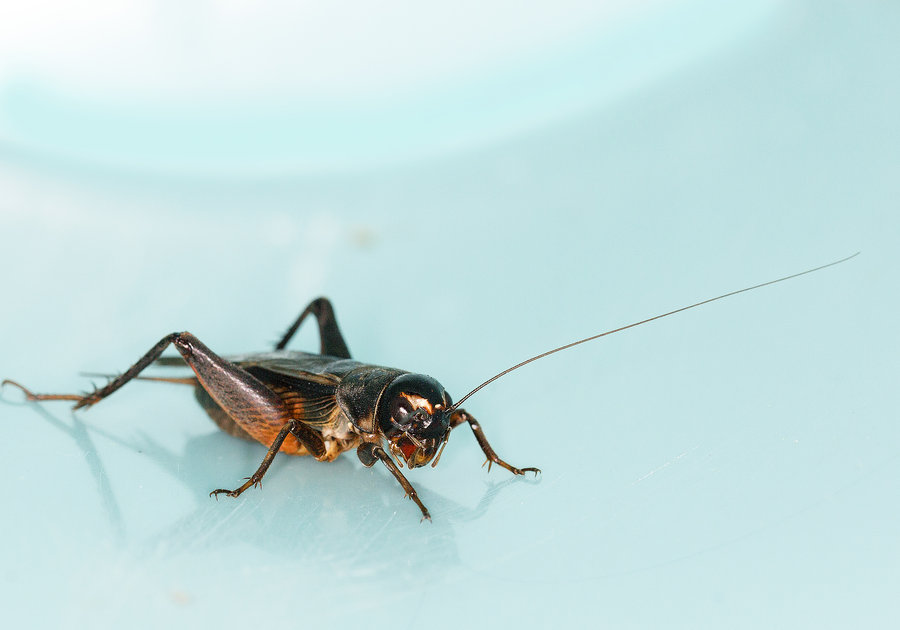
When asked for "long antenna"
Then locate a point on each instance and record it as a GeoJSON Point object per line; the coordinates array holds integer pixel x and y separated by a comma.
{"type": "Point", "coordinates": [643, 321]}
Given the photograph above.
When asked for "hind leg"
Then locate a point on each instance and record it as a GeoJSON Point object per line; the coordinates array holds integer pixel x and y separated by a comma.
{"type": "Point", "coordinates": [332, 342]}
{"type": "Point", "coordinates": [32, 397]}
{"type": "Point", "coordinates": [252, 406]}
{"type": "Point", "coordinates": [86, 400]}
{"type": "Point", "coordinates": [243, 397]}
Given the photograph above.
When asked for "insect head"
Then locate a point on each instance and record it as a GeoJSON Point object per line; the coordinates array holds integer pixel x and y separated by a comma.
{"type": "Point", "coordinates": [413, 415]}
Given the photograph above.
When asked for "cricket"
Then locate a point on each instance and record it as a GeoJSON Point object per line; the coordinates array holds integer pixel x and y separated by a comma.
{"type": "Point", "coordinates": [324, 404]}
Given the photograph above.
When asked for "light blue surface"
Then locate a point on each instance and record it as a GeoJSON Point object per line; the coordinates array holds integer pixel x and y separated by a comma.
{"type": "Point", "coordinates": [733, 466]}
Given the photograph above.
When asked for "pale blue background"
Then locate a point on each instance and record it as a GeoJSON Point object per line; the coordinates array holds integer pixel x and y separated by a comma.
{"type": "Point", "coordinates": [734, 466]}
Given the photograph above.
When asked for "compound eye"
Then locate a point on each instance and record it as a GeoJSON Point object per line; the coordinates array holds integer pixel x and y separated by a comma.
{"type": "Point", "coordinates": [402, 412]}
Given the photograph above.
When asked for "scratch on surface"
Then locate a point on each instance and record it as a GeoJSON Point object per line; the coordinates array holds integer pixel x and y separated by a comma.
{"type": "Point", "coordinates": [674, 460]}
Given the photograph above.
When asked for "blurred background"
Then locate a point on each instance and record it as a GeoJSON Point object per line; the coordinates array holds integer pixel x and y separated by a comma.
{"type": "Point", "coordinates": [471, 184]}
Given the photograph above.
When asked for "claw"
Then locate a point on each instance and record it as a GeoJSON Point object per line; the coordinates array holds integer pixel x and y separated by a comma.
{"type": "Point", "coordinates": [32, 397]}
{"type": "Point", "coordinates": [25, 390]}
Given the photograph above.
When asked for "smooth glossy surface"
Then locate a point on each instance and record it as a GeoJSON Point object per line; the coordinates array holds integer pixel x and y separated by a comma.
{"type": "Point", "coordinates": [732, 466]}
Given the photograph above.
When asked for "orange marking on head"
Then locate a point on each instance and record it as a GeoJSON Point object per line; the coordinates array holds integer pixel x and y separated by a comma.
{"type": "Point", "coordinates": [419, 403]}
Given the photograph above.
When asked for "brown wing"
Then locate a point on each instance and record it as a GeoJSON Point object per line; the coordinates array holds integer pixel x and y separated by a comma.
{"type": "Point", "coordinates": [301, 380]}
{"type": "Point", "coordinates": [310, 397]}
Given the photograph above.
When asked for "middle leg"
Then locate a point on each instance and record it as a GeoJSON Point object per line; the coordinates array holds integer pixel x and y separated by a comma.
{"type": "Point", "coordinates": [256, 478]}
{"type": "Point", "coordinates": [306, 436]}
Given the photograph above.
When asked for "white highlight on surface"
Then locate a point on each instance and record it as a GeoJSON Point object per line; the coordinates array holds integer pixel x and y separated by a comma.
{"type": "Point", "coordinates": [237, 89]}
{"type": "Point", "coordinates": [672, 461]}
{"type": "Point", "coordinates": [330, 48]}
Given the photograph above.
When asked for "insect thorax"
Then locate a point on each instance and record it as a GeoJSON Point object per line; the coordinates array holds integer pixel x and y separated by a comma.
{"type": "Point", "coordinates": [359, 393]}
